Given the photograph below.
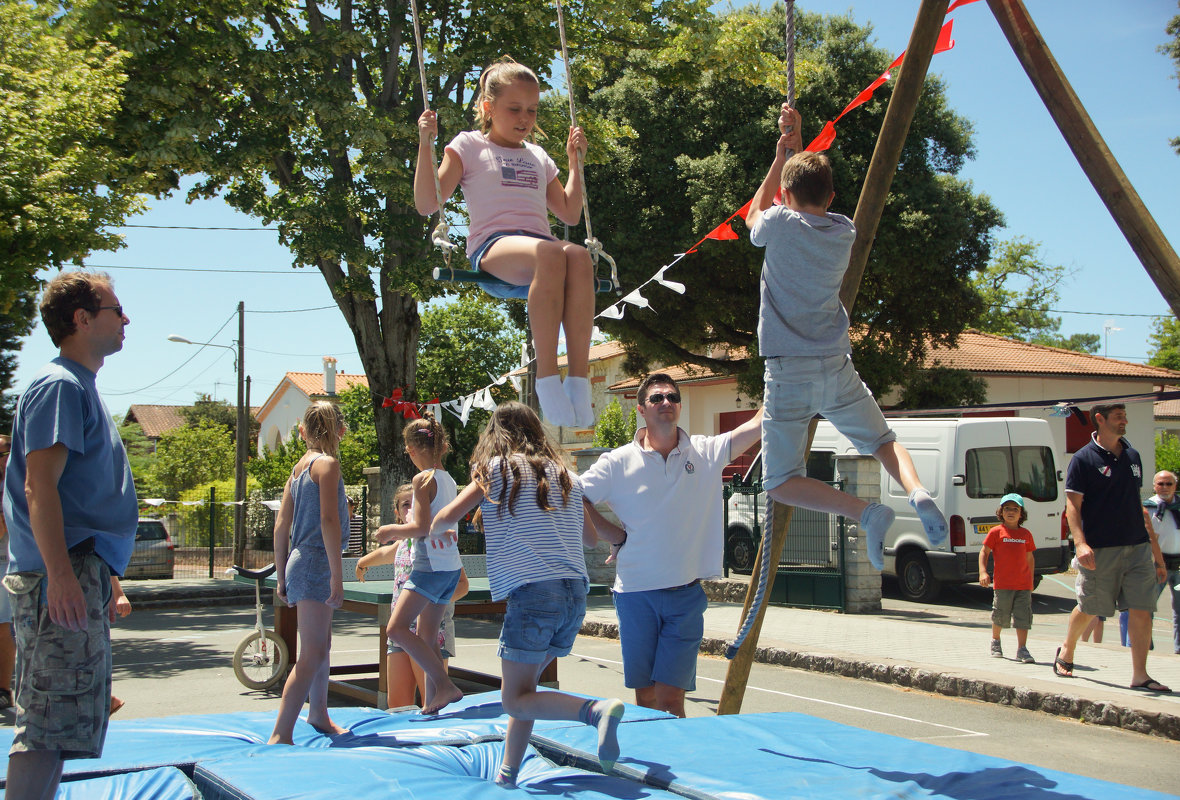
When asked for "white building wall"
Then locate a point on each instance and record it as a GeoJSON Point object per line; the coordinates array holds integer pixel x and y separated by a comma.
{"type": "Point", "coordinates": [283, 417]}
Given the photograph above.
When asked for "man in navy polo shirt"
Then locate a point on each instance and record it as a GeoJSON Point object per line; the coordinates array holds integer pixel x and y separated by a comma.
{"type": "Point", "coordinates": [1118, 561]}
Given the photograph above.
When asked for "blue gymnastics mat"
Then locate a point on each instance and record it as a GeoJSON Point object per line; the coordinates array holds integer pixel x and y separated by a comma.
{"type": "Point", "coordinates": [167, 783]}
{"type": "Point", "coordinates": [430, 771]}
{"type": "Point", "coordinates": [184, 741]}
{"type": "Point", "coordinates": [785, 755]}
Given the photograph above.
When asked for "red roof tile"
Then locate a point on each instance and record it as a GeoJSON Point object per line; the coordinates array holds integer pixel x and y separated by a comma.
{"type": "Point", "coordinates": [313, 382]}
{"type": "Point", "coordinates": [156, 420]}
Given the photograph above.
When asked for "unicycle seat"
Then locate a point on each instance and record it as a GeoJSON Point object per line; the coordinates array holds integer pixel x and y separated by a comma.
{"type": "Point", "coordinates": [255, 574]}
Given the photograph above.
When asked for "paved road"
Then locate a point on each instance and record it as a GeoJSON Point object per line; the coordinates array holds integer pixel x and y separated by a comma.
{"type": "Point", "coordinates": [178, 662]}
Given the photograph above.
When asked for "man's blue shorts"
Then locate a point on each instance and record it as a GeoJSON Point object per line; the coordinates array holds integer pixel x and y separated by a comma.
{"type": "Point", "coordinates": [542, 620]}
{"type": "Point", "coordinates": [661, 632]}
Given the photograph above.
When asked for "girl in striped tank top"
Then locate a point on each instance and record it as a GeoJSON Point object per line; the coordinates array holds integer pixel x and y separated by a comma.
{"type": "Point", "coordinates": [535, 528]}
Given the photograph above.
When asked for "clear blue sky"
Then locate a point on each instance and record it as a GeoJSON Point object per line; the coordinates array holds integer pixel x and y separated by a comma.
{"type": "Point", "coordinates": [1107, 50]}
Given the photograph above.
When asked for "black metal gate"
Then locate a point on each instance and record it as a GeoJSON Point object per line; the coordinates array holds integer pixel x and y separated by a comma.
{"type": "Point", "coordinates": [811, 567]}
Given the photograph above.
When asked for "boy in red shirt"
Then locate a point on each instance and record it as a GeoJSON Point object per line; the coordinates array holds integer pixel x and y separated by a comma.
{"type": "Point", "coordinates": [1013, 548]}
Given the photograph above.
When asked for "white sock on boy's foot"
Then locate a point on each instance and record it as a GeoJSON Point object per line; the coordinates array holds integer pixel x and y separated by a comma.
{"type": "Point", "coordinates": [554, 404]}
{"type": "Point", "coordinates": [605, 716]}
{"type": "Point", "coordinates": [932, 519]}
{"type": "Point", "coordinates": [875, 520]}
{"type": "Point", "coordinates": [578, 392]}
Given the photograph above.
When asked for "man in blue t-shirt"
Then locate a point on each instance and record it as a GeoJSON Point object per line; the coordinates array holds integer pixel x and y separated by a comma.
{"type": "Point", "coordinates": [70, 507]}
{"type": "Point", "coordinates": [1118, 560]}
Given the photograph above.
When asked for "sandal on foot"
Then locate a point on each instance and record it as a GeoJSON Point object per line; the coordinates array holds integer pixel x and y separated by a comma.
{"type": "Point", "coordinates": [116, 704]}
{"type": "Point", "coordinates": [1061, 667]}
{"type": "Point", "coordinates": [1151, 685]}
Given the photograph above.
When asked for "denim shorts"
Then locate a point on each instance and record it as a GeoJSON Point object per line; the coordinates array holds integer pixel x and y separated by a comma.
{"type": "Point", "coordinates": [542, 620]}
{"type": "Point", "coordinates": [661, 632]}
{"type": "Point", "coordinates": [798, 388]}
{"type": "Point", "coordinates": [504, 291]}
{"type": "Point", "coordinates": [1124, 578]}
{"type": "Point", "coordinates": [437, 587]}
{"type": "Point", "coordinates": [63, 677]}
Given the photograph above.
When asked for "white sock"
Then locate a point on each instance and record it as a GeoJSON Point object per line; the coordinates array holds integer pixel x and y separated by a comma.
{"type": "Point", "coordinates": [876, 520]}
{"type": "Point", "coordinates": [554, 404]}
{"type": "Point", "coordinates": [932, 519]}
{"type": "Point", "coordinates": [578, 392]}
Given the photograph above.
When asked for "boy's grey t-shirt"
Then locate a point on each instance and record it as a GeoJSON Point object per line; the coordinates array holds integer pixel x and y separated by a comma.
{"type": "Point", "coordinates": [806, 257]}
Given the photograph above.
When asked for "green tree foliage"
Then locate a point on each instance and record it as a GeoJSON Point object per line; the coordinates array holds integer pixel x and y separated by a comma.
{"type": "Point", "coordinates": [304, 115]}
{"type": "Point", "coordinates": [141, 457]}
{"type": "Point", "coordinates": [1167, 452]}
{"type": "Point", "coordinates": [223, 413]}
{"type": "Point", "coordinates": [613, 429]}
{"type": "Point", "coordinates": [1018, 287]}
{"type": "Point", "coordinates": [1165, 343]}
{"type": "Point", "coordinates": [464, 345]}
{"type": "Point", "coordinates": [1172, 50]}
{"type": "Point", "coordinates": [358, 449]}
{"type": "Point", "coordinates": [942, 387]}
{"type": "Point", "coordinates": [701, 147]}
{"type": "Point", "coordinates": [190, 456]}
{"type": "Point", "coordinates": [274, 468]}
{"type": "Point", "coordinates": [16, 321]}
{"type": "Point", "coordinates": [58, 198]}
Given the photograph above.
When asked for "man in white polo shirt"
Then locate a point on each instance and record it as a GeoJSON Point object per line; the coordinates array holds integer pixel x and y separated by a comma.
{"type": "Point", "coordinates": [665, 487]}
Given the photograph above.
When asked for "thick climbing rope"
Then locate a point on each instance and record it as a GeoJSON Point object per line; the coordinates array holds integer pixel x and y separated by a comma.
{"type": "Point", "coordinates": [764, 556]}
{"type": "Point", "coordinates": [592, 243]}
{"type": "Point", "coordinates": [441, 235]}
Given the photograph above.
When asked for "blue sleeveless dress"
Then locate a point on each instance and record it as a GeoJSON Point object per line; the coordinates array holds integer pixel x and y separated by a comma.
{"type": "Point", "coordinates": [308, 574]}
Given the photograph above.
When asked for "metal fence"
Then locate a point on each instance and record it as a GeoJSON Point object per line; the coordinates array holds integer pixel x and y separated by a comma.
{"type": "Point", "coordinates": [198, 540]}
{"type": "Point", "coordinates": [811, 565]}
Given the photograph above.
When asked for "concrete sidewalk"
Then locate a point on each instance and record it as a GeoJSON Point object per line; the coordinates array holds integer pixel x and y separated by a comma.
{"type": "Point", "coordinates": [941, 651]}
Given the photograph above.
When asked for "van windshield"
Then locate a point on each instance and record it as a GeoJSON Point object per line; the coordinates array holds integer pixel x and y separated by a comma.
{"type": "Point", "coordinates": [996, 471]}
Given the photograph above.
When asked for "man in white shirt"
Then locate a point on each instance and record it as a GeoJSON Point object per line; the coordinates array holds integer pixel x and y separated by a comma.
{"type": "Point", "coordinates": [665, 487]}
{"type": "Point", "coordinates": [1163, 512]}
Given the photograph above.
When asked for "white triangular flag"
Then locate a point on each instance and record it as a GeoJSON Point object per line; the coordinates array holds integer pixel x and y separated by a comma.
{"type": "Point", "coordinates": [636, 299]}
{"type": "Point", "coordinates": [673, 285]}
{"type": "Point", "coordinates": [612, 312]}
{"type": "Point", "coordinates": [465, 414]}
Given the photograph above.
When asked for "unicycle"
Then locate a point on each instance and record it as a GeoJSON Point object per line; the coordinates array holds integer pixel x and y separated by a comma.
{"type": "Point", "coordinates": [261, 659]}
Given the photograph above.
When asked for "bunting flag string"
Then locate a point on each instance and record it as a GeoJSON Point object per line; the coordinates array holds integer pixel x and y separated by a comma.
{"type": "Point", "coordinates": [482, 398]}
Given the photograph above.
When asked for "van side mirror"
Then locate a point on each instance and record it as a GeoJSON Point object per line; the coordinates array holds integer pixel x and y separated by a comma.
{"type": "Point", "coordinates": [958, 480]}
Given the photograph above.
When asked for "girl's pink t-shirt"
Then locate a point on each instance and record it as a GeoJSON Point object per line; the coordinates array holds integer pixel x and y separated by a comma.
{"type": "Point", "coordinates": [504, 187]}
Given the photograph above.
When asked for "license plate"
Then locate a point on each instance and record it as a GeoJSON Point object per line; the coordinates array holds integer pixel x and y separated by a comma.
{"type": "Point", "coordinates": [981, 528]}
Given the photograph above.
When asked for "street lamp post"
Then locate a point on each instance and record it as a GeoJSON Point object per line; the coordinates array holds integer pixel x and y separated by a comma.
{"type": "Point", "coordinates": [242, 430]}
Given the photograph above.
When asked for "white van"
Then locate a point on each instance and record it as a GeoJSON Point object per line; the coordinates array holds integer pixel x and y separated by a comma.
{"type": "Point", "coordinates": [967, 465]}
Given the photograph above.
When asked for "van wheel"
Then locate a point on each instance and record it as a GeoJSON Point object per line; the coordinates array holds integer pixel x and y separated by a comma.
{"type": "Point", "coordinates": [739, 549]}
{"type": "Point", "coordinates": [915, 579]}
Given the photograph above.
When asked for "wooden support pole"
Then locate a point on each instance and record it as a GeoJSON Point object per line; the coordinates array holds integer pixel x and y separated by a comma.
{"type": "Point", "coordinates": [1125, 206]}
{"type": "Point", "coordinates": [894, 128]}
{"type": "Point", "coordinates": [733, 691]}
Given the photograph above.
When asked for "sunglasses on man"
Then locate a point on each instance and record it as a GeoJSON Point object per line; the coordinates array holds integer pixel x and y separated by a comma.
{"type": "Point", "coordinates": [659, 397]}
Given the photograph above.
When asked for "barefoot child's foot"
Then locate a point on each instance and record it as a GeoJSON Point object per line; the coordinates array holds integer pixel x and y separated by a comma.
{"type": "Point", "coordinates": [876, 520]}
{"type": "Point", "coordinates": [605, 716]}
{"type": "Point", "coordinates": [276, 739]}
{"type": "Point", "coordinates": [450, 693]}
{"type": "Point", "coordinates": [327, 727]}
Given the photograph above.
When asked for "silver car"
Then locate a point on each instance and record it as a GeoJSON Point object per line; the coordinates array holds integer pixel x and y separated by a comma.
{"type": "Point", "coordinates": [154, 555]}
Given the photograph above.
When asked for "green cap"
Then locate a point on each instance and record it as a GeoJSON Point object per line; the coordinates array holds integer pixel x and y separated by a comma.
{"type": "Point", "coordinates": [1012, 497]}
